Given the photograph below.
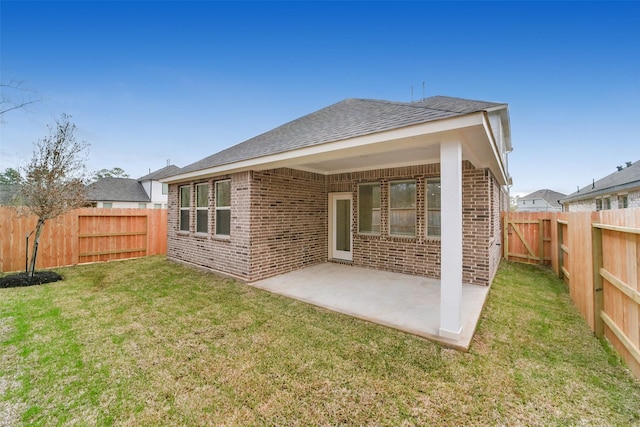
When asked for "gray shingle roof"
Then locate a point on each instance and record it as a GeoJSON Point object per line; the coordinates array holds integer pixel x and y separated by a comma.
{"type": "Point", "coordinates": [117, 190]}
{"type": "Point", "coordinates": [547, 195]}
{"type": "Point", "coordinates": [624, 179]}
{"type": "Point", "coordinates": [346, 119]}
{"type": "Point", "coordinates": [161, 173]}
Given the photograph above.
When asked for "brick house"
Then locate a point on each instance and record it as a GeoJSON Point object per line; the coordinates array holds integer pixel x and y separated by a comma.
{"type": "Point", "coordinates": [618, 190]}
{"type": "Point", "coordinates": [415, 188]}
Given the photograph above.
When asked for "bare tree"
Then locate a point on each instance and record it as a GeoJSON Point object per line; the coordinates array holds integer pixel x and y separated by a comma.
{"type": "Point", "coordinates": [53, 181]}
{"type": "Point", "coordinates": [13, 95]}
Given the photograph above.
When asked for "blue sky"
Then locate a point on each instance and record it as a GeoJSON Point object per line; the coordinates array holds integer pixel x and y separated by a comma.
{"type": "Point", "coordinates": [151, 81]}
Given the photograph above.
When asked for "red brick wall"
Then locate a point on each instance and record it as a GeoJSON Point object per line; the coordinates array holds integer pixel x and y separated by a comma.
{"type": "Point", "coordinates": [279, 224]}
{"type": "Point", "coordinates": [419, 255]}
{"type": "Point", "coordinates": [226, 255]}
{"type": "Point", "coordinates": [288, 221]}
{"type": "Point", "coordinates": [476, 223]}
{"type": "Point", "coordinates": [498, 198]}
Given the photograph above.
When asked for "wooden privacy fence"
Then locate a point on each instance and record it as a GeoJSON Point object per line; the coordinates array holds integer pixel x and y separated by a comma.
{"type": "Point", "coordinates": [83, 236]}
{"type": "Point", "coordinates": [527, 238]}
{"type": "Point", "coordinates": [598, 256]}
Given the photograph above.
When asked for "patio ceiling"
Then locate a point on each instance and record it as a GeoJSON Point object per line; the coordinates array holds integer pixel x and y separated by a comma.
{"type": "Point", "coordinates": [404, 151]}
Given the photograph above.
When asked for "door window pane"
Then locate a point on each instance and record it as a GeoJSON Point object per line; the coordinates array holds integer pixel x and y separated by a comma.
{"type": "Point", "coordinates": [343, 226]}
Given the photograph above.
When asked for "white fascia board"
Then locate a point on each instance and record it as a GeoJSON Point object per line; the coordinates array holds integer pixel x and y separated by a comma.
{"type": "Point", "coordinates": [503, 109]}
{"type": "Point", "coordinates": [496, 108]}
{"type": "Point", "coordinates": [274, 160]}
{"type": "Point", "coordinates": [494, 146]}
{"type": "Point", "coordinates": [506, 126]}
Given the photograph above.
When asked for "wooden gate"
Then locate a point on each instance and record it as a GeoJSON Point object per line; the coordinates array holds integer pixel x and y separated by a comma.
{"type": "Point", "coordinates": [527, 239]}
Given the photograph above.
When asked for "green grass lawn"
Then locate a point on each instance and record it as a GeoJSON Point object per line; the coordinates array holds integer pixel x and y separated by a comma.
{"type": "Point", "coordinates": [149, 342]}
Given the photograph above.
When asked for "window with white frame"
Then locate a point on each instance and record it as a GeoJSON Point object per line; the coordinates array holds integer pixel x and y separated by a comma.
{"type": "Point", "coordinates": [433, 207]}
{"type": "Point", "coordinates": [165, 188]}
{"type": "Point", "coordinates": [202, 208]}
{"type": "Point", "coordinates": [623, 201]}
{"type": "Point", "coordinates": [142, 206]}
{"type": "Point", "coordinates": [369, 208]}
{"type": "Point", "coordinates": [185, 207]}
{"type": "Point", "coordinates": [603, 203]}
{"type": "Point", "coordinates": [223, 208]}
{"type": "Point", "coordinates": [107, 205]}
{"type": "Point", "coordinates": [402, 208]}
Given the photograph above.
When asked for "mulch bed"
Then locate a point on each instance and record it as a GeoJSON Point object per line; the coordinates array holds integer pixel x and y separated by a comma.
{"type": "Point", "coordinates": [23, 279]}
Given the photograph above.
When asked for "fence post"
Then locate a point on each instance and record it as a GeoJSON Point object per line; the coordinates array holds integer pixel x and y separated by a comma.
{"type": "Point", "coordinates": [541, 240]}
{"type": "Point", "coordinates": [598, 292]}
{"type": "Point", "coordinates": [505, 237]}
{"type": "Point", "coordinates": [560, 250]}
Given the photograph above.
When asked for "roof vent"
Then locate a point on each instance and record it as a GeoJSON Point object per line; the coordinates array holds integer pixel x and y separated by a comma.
{"type": "Point", "coordinates": [593, 185]}
{"type": "Point", "coordinates": [619, 168]}
{"type": "Point", "coordinates": [629, 164]}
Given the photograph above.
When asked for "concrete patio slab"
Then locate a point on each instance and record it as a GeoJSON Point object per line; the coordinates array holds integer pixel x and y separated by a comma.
{"type": "Point", "coordinates": [400, 301]}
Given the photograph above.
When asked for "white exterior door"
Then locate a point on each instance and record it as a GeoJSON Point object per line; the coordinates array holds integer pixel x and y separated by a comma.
{"type": "Point", "coordinates": [340, 220]}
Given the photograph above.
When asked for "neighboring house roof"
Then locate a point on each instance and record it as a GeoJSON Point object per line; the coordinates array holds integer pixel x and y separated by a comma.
{"type": "Point", "coordinates": [117, 190]}
{"type": "Point", "coordinates": [160, 173]}
{"type": "Point", "coordinates": [549, 196]}
{"type": "Point", "coordinates": [346, 119]}
{"type": "Point", "coordinates": [625, 179]}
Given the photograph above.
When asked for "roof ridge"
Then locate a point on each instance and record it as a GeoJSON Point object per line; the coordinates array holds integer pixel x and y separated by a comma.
{"type": "Point", "coordinates": [417, 104]}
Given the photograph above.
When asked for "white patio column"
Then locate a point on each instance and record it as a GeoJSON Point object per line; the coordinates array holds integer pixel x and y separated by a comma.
{"type": "Point", "coordinates": [451, 240]}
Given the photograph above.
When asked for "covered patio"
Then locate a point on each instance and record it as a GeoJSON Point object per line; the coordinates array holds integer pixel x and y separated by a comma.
{"type": "Point", "coordinates": [414, 188]}
{"type": "Point", "coordinates": [404, 302]}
